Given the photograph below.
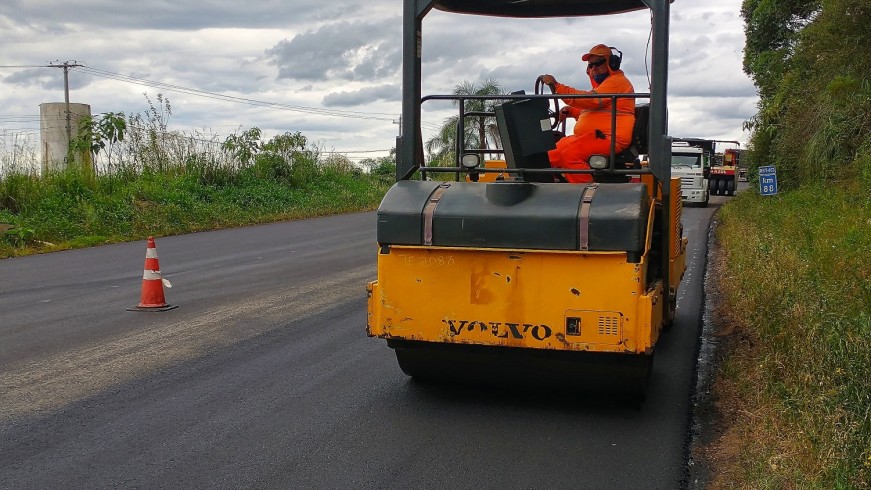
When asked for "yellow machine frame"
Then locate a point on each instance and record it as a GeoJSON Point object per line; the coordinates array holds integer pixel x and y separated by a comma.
{"type": "Point", "coordinates": [544, 299]}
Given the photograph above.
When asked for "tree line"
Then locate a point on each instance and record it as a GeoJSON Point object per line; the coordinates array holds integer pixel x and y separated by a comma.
{"type": "Point", "coordinates": [810, 63]}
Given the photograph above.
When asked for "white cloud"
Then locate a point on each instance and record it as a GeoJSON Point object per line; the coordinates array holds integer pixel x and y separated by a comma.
{"type": "Point", "coordinates": [388, 92]}
{"type": "Point", "coordinates": [341, 51]}
{"type": "Point", "coordinates": [345, 56]}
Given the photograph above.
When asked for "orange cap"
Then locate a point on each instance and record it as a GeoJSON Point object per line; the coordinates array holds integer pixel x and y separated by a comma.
{"type": "Point", "coordinates": [598, 50]}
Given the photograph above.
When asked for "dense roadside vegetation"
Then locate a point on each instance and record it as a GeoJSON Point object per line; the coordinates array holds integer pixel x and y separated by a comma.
{"type": "Point", "coordinates": [795, 269]}
{"type": "Point", "coordinates": [156, 182]}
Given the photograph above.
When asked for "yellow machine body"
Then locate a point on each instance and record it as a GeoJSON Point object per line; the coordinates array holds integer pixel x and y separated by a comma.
{"type": "Point", "coordinates": [538, 299]}
{"type": "Point", "coordinates": [568, 300]}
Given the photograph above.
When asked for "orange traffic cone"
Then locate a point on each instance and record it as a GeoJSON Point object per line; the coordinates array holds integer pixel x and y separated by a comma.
{"type": "Point", "coordinates": [152, 283]}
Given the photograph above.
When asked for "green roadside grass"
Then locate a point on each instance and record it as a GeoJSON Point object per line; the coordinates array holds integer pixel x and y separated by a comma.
{"type": "Point", "coordinates": [70, 210]}
{"type": "Point", "coordinates": [794, 389]}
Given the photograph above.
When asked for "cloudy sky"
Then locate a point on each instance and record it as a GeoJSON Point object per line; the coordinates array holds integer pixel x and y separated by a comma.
{"type": "Point", "coordinates": [331, 69]}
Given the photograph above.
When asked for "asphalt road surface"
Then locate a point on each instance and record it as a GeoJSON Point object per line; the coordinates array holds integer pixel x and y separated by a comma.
{"type": "Point", "coordinates": [263, 377]}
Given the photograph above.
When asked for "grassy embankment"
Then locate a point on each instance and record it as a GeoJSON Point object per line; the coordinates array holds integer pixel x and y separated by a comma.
{"type": "Point", "coordinates": [795, 389]}
{"type": "Point", "coordinates": [146, 179]}
{"type": "Point", "coordinates": [70, 209]}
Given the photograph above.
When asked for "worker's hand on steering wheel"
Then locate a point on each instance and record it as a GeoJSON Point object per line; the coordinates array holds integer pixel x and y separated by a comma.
{"type": "Point", "coordinates": [565, 113]}
{"type": "Point", "coordinates": [549, 80]}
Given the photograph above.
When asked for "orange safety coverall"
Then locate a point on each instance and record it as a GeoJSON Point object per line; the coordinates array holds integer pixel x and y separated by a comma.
{"type": "Point", "coordinates": [574, 151]}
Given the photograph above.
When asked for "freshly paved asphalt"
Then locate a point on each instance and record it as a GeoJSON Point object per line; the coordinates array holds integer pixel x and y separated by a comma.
{"type": "Point", "coordinates": [263, 377]}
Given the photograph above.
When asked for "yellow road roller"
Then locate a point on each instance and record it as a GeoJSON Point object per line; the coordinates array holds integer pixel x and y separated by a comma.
{"type": "Point", "coordinates": [527, 276]}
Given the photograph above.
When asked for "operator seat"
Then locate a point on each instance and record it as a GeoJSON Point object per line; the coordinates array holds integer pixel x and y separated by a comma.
{"type": "Point", "coordinates": [527, 137]}
{"type": "Point", "coordinates": [524, 128]}
{"type": "Point", "coordinates": [628, 158]}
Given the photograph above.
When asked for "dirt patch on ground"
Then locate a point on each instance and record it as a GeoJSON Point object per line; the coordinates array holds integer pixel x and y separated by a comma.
{"type": "Point", "coordinates": [716, 445]}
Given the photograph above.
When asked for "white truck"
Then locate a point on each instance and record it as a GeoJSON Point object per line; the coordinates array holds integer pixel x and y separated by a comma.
{"type": "Point", "coordinates": [691, 161]}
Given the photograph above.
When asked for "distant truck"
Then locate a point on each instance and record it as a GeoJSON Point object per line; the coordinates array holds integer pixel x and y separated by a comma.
{"type": "Point", "coordinates": [723, 179]}
{"type": "Point", "coordinates": [691, 161]}
{"type": "Point", "coordinates": [742, 166]}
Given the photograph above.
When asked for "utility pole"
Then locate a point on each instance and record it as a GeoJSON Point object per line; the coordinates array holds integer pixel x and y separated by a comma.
{"type": "Point", "coordinates": [66, 65]}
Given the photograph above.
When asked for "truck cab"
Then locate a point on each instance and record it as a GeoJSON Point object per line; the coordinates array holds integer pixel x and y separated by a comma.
{"type": "Point", "coordinates": [691, 162]}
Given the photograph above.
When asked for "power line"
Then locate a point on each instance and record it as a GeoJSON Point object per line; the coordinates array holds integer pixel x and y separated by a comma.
{"type": "Point", "coordinates": [242, 100]}
{"type": "Point", "coordinates": [12, 132]}
{"type": "Point", "coordinates": [96, 72]}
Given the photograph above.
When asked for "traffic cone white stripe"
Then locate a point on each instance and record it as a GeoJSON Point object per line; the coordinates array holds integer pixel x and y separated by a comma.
{"type": "Point", "coordinates": [151, 275]}
{"type": "Point", "coordinates": [150, 253]}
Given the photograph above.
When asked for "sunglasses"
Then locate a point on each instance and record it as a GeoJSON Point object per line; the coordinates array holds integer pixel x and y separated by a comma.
{"type": "Point", "coordinates": [595, 63]}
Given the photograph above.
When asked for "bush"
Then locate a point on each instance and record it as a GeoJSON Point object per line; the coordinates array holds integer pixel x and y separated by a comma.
{"type": "Point", "coordinates": [304, 172]}
{"type": "Point", "coordinates": [797, 271]}
{"type": "Point", "coordinates": [152, 181]}
{"type": "Point", "coordinates": [385, 171]}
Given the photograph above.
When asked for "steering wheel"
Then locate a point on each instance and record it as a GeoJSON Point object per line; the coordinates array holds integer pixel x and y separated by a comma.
{"type": "Point", "coordinates": [554, 112]}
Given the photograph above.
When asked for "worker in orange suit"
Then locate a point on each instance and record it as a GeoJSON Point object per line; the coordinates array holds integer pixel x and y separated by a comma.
{"type": "Point", "coordinates": [592, 133]}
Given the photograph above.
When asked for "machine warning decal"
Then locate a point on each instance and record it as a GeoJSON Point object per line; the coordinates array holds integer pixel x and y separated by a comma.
{"type": "Point", "coordinates": [499, 329]}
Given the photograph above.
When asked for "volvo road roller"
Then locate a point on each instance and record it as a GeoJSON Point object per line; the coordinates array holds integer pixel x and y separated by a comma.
{"type": "Point", "coordinates": [525, 276]}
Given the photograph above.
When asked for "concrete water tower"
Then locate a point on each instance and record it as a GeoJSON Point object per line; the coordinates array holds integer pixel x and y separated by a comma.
{"type": "Point", "coordinates": [54, 135]}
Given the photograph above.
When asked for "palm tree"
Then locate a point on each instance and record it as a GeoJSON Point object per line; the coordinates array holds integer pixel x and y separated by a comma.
{"type": "Point", "coordinates": [480, 132]}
